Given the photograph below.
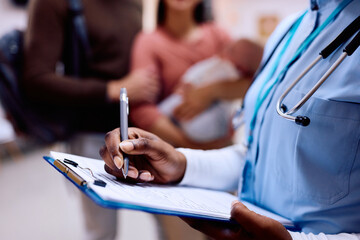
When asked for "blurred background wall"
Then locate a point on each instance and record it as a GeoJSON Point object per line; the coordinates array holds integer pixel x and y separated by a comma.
{"type": "Point", "coordinates": [11, 16]}
{"type": "Point", "coordinates": [255, 19]}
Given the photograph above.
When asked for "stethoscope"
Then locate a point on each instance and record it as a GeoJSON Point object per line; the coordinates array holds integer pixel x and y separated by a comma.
{"type": "Point", "coordinates": [343, 37]}
{"type": "Point", "coordinates": [346, 34]}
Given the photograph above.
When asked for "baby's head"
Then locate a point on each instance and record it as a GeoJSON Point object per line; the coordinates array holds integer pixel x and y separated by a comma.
{"type": "Point", "coordinates": [245, 55]}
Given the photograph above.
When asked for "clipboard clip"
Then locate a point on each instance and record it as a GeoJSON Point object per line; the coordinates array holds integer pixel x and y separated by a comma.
{"type": "Point", "coordinates": [74, 176]}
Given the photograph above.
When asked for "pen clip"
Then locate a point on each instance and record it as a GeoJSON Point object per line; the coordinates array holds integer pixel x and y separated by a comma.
{"type": "Point", "coordinates": [127, 106]}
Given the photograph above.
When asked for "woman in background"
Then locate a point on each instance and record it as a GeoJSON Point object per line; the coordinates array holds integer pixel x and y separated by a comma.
{"type": "Point", "coordinates": [183, 37]}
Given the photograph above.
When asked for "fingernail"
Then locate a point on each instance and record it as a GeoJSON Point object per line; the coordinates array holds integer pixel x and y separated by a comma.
{"type": "Point", "coordinates": [146, 176]}
{"type": "Point", "coordinates": [234, 202]}
{"type": "Point", "coordinates": [132, 174]}
{"type": "Point", "coordinates": [126, 146]}
{"type": "Point", "coordinates": [118, 162]}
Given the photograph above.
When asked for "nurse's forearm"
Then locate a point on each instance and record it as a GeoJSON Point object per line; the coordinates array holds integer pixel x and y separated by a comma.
{"type": "Point", "coordinates": [322, 236]}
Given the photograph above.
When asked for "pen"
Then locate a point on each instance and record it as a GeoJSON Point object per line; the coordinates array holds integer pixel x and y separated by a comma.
{"type": "Point", "coordinates": [124, 111]}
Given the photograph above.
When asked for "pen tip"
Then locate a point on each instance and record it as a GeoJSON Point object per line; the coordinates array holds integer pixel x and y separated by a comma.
{"type": "Point", "coordinates": [124, 173]}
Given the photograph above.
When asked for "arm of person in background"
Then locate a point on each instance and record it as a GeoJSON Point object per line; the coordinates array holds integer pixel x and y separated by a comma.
{"type": "Point", "coordinates": [144, 56]}
{"type": "Point", "coordinates": [153, 160]}
{"type": "Point", "coordinates": [168, 131]}
{"type": "Point", "coordinates": [44, 44]}
{"type": "Point", "coordinates": [196, 100]}
{"type": "Point", "coordinates": [141, 85]}
{"type": "Point", "coordinates": [163, 127]}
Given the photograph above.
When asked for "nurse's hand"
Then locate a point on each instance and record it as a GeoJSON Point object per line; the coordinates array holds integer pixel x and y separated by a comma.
{"type": "Point", "coordinates": [250, 226]}
{"type": "Point", "coordinates": [151, 159]}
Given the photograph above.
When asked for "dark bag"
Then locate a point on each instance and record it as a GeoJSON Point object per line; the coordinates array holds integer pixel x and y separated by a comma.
{"type": "Point", "coordinates": [27, 120]}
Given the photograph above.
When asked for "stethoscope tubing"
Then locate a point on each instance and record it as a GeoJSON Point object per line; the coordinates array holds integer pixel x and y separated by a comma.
{"type": "Point", "coordinates": [348, 51]}
{"type": "Point", "coordinates": [294, 109]}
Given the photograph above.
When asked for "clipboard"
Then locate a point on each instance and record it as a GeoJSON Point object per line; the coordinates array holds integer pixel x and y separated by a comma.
{"type": "Point", "coordinates": [112, 204]}
{"type": "Point", "coordinates": [92, 191]}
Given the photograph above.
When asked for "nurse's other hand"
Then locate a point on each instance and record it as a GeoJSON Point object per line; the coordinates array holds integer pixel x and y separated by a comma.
{"type": "Point", "coordinates": [250, 225]}
{"type": "Point", "coordinates": [151, 159]}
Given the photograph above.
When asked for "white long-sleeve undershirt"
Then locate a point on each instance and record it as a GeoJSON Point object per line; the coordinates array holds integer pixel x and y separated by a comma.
{"type": "Point", "coordinates": [322, 236]}
{"type": "Point", "coordinates": [214, 169]}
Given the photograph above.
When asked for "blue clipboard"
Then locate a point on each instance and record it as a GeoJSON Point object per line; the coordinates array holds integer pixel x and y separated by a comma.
{"type": "Point", "coordinates": [121, 205]}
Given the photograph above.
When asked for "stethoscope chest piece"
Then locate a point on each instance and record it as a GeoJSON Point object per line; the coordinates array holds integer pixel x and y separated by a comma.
{"type": "Point", "coordinates": [299, 120]}
{"type": "Point", "coordinates": [302, 121]}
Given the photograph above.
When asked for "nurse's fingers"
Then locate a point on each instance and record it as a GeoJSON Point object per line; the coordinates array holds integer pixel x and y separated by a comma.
{"type": "Point", "coordinates": [133, 173]}
{"type": "Point", "coordinates": [112, 141]}
{"type": "Point", "coordinates": [145, 176]}
{"type": "Point", "coordinates": [135, 133]}
{"type": "Point", "coordinates": [115, 172]}
{"type": "Point", "coordinates": [105, 155]}
{"type": "Point", "coordinates": [249, 220]}
{"type": "Point", "coordinates": [256, 225]}
{"type": "Point", "coordinates": [142, 146]}
{"type": "Point", "coordinates": [217, 230]}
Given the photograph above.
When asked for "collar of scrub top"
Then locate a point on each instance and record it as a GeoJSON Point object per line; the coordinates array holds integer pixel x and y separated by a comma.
{"type": "Point", "coordinates": [343, 37]}
{"type": "Point", "coordinates": [319, 4]}
{"type": "Point", "coordinates": [263, 93]}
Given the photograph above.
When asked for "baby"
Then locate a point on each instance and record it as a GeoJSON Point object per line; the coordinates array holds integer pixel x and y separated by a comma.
{"type": "Point", "coordinates": [238, 60]}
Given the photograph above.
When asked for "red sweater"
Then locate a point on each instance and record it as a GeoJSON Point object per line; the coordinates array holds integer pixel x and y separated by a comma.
{"type": "Point", "coordinates": [171, 58]}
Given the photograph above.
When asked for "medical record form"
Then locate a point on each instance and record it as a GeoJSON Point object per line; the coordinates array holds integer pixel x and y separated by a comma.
{"type": "Point", "coordinates": [160, 199]}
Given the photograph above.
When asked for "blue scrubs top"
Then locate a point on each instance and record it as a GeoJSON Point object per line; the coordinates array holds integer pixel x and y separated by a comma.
{"type": "Point", "coordinates": [311, 174]}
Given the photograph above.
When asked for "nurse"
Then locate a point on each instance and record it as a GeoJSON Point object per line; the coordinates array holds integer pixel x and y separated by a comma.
{"type": "Point", "coordinates": [310, 175]}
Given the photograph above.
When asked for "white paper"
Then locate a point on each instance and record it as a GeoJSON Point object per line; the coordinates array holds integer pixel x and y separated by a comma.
{"type": "Point", "coordinates": [203, 202]}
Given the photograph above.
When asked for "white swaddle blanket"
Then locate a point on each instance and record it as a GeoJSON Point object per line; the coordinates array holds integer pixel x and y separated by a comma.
{"type": "Point", "coordinates": [214, 122]}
